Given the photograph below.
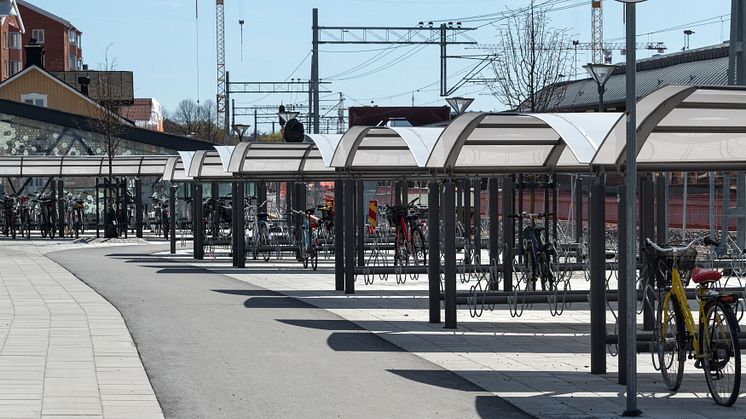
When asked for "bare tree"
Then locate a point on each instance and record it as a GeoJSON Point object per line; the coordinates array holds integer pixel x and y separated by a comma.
{"type": "Point", "coordinates": [195, 120]}
{"type": "Point", "coordinates": [107, 121]}
{"type": "Point", "coordinates": [532, 57]}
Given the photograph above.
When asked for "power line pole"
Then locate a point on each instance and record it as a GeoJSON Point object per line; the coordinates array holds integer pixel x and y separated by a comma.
{"type": "Point", "coordinates": [341, 114]}
{"type": "Point", "coordinates": [222, 98]}
{"type": "Point", "coordinates": [314, 90]}
{"type": "Point", "coordinates": [443, 35]}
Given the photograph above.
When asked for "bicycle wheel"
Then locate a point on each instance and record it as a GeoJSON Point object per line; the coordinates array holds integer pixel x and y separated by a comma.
{"type": "Point", "coordinates": [314, 257]}
{"type": "Point", "coordinates": [401, 255]}
{"type": "Point", "coordinates": [722, 361]}
{"type": "Point", "coordinates": [419, 251]}
{"type": "Point", "coordinates": [303, 248]}
{"type": "Point", "coordinates": [530, 268]}
{"type": "Point", "coordinates": [264, 242]}
{"type": "Point", "coordinates": [669, 343]}
{"type": "Point", "coordinates": [13, 227]}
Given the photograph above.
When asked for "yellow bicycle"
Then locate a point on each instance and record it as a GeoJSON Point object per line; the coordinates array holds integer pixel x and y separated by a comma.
{"type": "Point", "coordinates": [713, 342]}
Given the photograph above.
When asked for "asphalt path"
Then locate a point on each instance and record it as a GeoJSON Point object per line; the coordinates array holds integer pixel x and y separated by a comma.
{"type": "Point", "coordinates": [214, 346]}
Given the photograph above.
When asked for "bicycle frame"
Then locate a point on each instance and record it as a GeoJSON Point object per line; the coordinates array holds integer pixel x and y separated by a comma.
{"type": "Point", "coordinates": [677, 291]}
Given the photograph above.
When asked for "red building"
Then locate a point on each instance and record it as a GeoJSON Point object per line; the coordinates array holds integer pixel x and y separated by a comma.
{"type": "Point", "coordinates": [11, 46]}
{"type": "Point", "coordinates": [61, 40]}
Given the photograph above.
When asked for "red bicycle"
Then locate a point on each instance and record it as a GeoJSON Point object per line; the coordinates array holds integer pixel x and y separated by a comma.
{"type": "Point", "coordinates": [410, 240]}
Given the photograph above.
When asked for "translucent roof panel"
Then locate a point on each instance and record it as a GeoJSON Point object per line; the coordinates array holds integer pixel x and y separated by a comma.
{"type": "Point", "coordinates": [82, 166]}
{"type": "Point", "coordinates": [279, 161]}
{"type": "Point", "coordinates": [390, 149]}
{"type": "Point", "coordinates": [186, 159]}
{"type": "Point", "coordinates": [693, 148]}
{"type": "Point", "coordinates": [505, 157]}
{"type": "Point", "coordinates": [207, 165]}
{"type": "Point", "coordinates": [685, 128]}
{"type": "Point", "coordinates": [509, 142]}
{"type": "Point", "coordinates": [225, 152]}
{"type": "Point", "coordinates": [327, 145]}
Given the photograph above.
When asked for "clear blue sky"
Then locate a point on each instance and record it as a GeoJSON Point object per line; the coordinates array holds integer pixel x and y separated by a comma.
{"type": "Point", "coordinates": [157, 40]}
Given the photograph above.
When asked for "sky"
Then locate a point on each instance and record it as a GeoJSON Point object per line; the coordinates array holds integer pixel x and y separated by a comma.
{"type": "Point", "coordinates": [173, 55]}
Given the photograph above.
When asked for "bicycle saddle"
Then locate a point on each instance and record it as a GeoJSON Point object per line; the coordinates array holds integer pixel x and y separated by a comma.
{"type": "Point", "coordinates": [701, 275]}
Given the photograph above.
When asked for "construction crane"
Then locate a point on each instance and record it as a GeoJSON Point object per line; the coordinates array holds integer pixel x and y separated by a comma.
{"type": "Point", "coordinates": [222, 97]}
{"type": "Point", "coordinates": [597, 32]}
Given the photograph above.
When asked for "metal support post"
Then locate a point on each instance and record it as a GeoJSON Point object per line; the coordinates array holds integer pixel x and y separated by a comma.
{"type": "Point", "coordinates": [661, 206]}
{"type": "Point", "coordinates": [215, 222]}
{"type": "Point", "coordinates": [405, 192]}
{"type": "Point", "coordinates": [647, 231]}
{"type": "Point", "coordinates": [234, 218]}
{"type": "Point", "coordinates": [477, 221]}
{"type": "Point", "coordinates": [508, 233]}
{"type": "Point", "coordinates": [61, 207]}
{"type": "Point", "coordinates": [494, 234]}
{"type": "Point", "coordinates": [199, 228]}
{"type": "Point", "coordinates": [579, 209]}
{"type": "Point", "coordinates": [433, 241]}
{"type": "Point", "coordinates": [521, 187]}
{"type": "Point", "coordinates": [362, 214]}
{"type": "Point", "coordinates": [315, 73]}
{"type": "Point", "coordinates": [349, 233]}
{"type": "Point", "coordinates": [397, 193]}
{"type": "Point", "coordinates": [741, 207]}
{"type": "Point", "coordinates": [466, 190]}
{"type": "Point", "coordinates": [125, 207]}
{"type": "Point", "coordinates": [138, 208]}
{"type": "Point", "coordinates": [98, 210]}
{"type": "Point", "coordinates": [261, 197]}
{"type": "Point", "coordinates": [449, 241]}
{"type": "Point", "coordinates": [621, 286]}
{"type": "Point", "coordinates": [240, 231]}
{"type": "Point", "coordinates": [685, 193]}
{"type": "Point", "coordinates": [172, 218]}
{"type": "Point", "coordinates": [726, 210]}
{"type": "Point", "coordinates": [555, 210]}
{"type": "Point", "coordinates": [546, 209]}
{"type": "Point", "coordinates": [597, 239]}
{"type": "Point", "coordinates": [339, 267]}
{"type": "Point", "coordinates": [630, 180]}
{"type": "Point", "coordinates": [713, 193]}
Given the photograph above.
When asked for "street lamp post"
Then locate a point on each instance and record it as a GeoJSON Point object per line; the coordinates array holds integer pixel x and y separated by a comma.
{"type": "Point", "coordinates": [240, 130]}
{"type": "Point", "coordinates": [630, 180]}
{"type": "Point", "coordinates": [601, 74]}
{"type": "Point", "coordinates": [459, 104]}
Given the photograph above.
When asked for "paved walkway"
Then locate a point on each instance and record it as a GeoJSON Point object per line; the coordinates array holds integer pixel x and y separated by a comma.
{"type": "Point", "coordinates": [538, 362]}
{"type": "Point", "coordinates": [219, 347]}
{"type": "Point", "coordinates": [64, 350]}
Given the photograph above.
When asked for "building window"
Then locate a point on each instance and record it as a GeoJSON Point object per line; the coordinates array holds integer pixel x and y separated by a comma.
{"type": "Point", "coordinates": [5, 70]}
{"type": "Point", "coordinates": [15, 40]}
{"type": "Point", "coordinates": [38, 34]}
{"type": "Point", "coordinates": [78, 42]}
{"type": "Point", "coordinates": [35, 99]}
{"type": "Point", "coordinates": [5, 40]}
{"type": "Point", "coordinates": [15, 67]}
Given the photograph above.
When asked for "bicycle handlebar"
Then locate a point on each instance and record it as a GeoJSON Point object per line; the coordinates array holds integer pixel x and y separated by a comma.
{"type": "Point", "coordinates": [411, 203]}
{"type": "Point", "coordinates": [672, 250]}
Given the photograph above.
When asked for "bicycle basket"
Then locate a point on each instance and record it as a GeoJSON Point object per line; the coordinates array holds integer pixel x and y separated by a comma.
{"type": "Point", "coordinates": [661, 265]}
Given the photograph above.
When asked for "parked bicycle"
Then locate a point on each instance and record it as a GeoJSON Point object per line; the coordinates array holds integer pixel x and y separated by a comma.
{"type": "Point", "coordinates": [75, 205]}
{"type": "Point", "coordinates": [24, 215]}
{"type": "Point", "coordinates": [537, 254]}
{"type": "Point", "coordinates": [10, 216]}
{"type": "Point", "coordinates": [48, 214]}
{"type": "Point", "coordinates": [308, 242]}
{"type": "Point", "coordinates": [713, 341]}
{"type": "Point", "coordinates": [409, 237]}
